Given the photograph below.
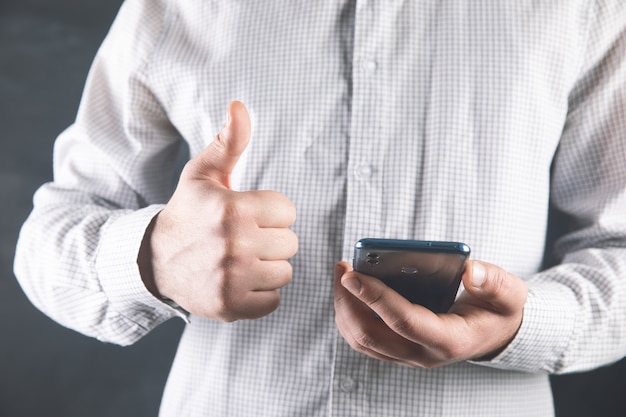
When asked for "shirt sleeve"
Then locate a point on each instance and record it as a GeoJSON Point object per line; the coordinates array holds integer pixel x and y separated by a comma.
{"type": "Point", "coordinates": [575, 316]}
{"type": "Point", "coordinates": [76, 257]}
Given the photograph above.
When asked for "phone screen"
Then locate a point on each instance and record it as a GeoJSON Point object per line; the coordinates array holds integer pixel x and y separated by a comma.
{"type": "Point", "coordinates": [424, 272]}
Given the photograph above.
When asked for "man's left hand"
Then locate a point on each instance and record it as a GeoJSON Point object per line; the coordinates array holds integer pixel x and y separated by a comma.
{"type": "Point", "coordinates": [481, 323]}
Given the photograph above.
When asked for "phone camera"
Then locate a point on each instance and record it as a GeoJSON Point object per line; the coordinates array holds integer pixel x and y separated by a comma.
{"type": "Point", "coordinates": [372, 259]}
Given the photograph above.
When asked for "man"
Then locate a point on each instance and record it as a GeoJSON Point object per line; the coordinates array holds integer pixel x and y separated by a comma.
{"type": "Point", "coordinates": [451, 121]}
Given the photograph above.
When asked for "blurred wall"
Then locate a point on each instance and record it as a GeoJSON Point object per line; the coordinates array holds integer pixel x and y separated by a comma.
{"type": "Point", "coordinates": [46, 47]}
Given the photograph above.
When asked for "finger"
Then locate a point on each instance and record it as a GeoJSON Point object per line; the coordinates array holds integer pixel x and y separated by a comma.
{"type": "Point", "coordinates": [268, 208]}
{"type": "Point", "coordinates": [352, 318]}
{"type": "Point", "coordinates": [395, 310]}
{"type": "Point", "coordinates": [413, 322]}
{"type": "Point", "coordinates": [505, 293]}
{"type": "Point", "coordinates": [356, 342]}
{"type": "Point", "coordinates": [219, 158]}
{"type": "Point", "coordinates": [274, 244]}
{"type": "Point", "coordinates": [256, 304]}
{"type": "Point", "coordinates": [365, 332]}
{"type": "Point", "coordinates": [271, 275]}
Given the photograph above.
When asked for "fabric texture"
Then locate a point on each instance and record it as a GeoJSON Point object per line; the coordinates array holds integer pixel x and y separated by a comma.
{"type": "Point", "coordinates": [451, 120]}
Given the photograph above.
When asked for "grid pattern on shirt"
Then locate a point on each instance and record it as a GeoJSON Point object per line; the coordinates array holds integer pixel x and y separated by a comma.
{"type": "Point", "coordinates": [427, 120]}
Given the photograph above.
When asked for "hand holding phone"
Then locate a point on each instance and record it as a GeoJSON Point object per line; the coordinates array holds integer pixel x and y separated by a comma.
{"type": "Point", "coordinates": [479, 325]}
{"type": "Point", "coordinates": [424, 272]}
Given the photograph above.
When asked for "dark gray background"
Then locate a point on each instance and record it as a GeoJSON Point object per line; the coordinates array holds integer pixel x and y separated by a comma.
{"type": "Point", "coordinates": [46, 47]}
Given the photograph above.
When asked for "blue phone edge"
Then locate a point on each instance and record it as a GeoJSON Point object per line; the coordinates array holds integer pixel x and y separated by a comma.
{"type": "Point", "coordinates": [407, 245]}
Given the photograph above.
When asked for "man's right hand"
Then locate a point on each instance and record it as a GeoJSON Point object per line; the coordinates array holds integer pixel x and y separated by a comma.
{"type": "Point", "coordinates": [216, 252]}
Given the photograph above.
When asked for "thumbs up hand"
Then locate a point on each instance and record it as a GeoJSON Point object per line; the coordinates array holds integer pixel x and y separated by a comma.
{"type": "Point", "coordinates": [216, 252]}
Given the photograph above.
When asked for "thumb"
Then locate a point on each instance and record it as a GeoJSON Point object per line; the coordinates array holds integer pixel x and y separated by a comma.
{"type": "Point", "coordinates": [219, 158]}
{"type": "Point", "coordinates": [342, 268]}
{"type": "Point", "coordinates": [504, 292]}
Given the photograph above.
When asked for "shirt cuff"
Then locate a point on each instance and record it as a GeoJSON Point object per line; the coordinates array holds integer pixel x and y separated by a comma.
{"type": "Point", "coordinates": [118, 272]}
{"type": "Point", "coordinates": [546, 330]}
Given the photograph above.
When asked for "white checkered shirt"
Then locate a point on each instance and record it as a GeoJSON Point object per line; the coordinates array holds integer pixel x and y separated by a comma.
{"type": "Point", "coordinates": [451, 120]}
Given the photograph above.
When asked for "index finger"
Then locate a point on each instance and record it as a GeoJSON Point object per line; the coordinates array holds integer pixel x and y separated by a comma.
{"type": "Point", "coordinates": [411, 321]}
{"type": "Point", "coordinates": [270, 209]}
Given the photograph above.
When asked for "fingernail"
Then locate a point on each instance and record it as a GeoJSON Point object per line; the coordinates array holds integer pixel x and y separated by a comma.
{"type": "Point", "coordinates": [222, 134]}
{"type": "Point", "coordinates": [478, 274]}
{"type": "Point", "coordinates": [227, 123]}
{"type": "Point", "coordinates": [353, 285]}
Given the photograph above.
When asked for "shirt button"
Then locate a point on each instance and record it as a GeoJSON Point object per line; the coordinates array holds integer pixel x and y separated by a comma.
{"type": "Point", "coordinates": [369, 65]}
{"type": "Point", "coordinates": [364, 171]}
{"type": "Point", "coordinates": [347, 385]}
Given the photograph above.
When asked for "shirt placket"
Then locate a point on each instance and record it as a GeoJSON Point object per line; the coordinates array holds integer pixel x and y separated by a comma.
{"type": "Point", "coordinates": [351, 374]}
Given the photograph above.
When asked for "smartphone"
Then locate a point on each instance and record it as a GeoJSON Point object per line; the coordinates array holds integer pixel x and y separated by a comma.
{"type": "Point", "coordinates": [424, 272]}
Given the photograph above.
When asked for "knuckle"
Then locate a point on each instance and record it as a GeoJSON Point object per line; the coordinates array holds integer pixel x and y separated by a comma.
{"type": "Point", "coordinates": [499, 283]}
{"type": "Point", "coordinates": [277, 277]}
{"type": "Point", "coordinates": [362, 341]}
{"type": "Point", "coordinates": [227, 263]}
{"type": "Point", "coordinates": [437, 347]}
{"type": "Point", "coordinates": [235, 255]}
{"type": "Point", "coordinates": [287, 274]}
{"type": "Point", "coordinates": [450, 352]}
{"type": "Point", "coordinates": [280, 203]}
{"type": "Point", "coordinates": [293, 242]}
{"type": "Point", "coordinates": [224, 299]}
{"type": "Point", "coordinates": [221, 313]}
{"type": "Point", "coordinates": [374, 299]}
{"type": "Point", "coordinates": [291, 212]}
{"type": "Point", "coordinates": [402, 325]}
{"type": "Point", "coordinates": [272, 305]}
{"type": "Point", "coordinates": [281, 199]}
{"type": "Point", "coordinates": [222, 308]}
{"type": "Point", "coordinates": [233, 214]}
{"type": "Point", "coordinates": [340, 303]}
{"type": "Point", "coordinates": [453, 349]}
{"type": "Point", "coordinates": [268, 306]}
{"type": "Point", "coordinates": [287, 241]}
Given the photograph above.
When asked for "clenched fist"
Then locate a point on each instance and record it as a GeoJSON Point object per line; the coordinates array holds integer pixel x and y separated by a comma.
{"type": "Point", "coordinates": [216, 252]}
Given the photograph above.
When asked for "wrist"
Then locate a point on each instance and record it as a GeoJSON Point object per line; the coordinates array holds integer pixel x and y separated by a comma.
{"type": "Point", "coordinates": [144, 261]}
{"type": "Point", "coordinates": [146, 270]}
